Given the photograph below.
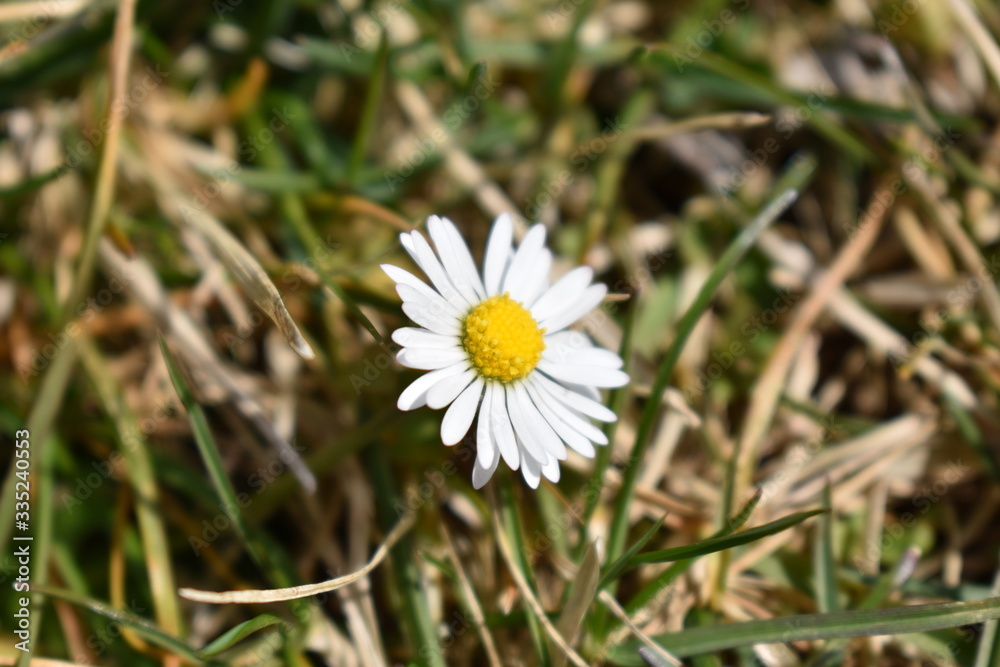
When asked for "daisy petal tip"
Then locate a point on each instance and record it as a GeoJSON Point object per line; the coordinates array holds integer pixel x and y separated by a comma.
{"type": "Point", "coordinates": [617, 378]}
{"type": "Point", "coordinates": [481, 476]}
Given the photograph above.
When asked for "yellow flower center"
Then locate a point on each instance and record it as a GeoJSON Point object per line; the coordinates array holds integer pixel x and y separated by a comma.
{"type": "Point", "coordinates": [502, 338]}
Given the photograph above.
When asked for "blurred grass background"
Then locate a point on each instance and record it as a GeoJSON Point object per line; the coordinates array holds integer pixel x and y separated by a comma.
{"type": "Point", "coordinates": [195, 198]}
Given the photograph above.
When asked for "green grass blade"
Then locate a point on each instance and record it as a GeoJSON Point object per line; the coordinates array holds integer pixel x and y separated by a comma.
{"type": "Point", "coordinates": [140, 625]}
{"type": "Point", "coordinates": [240, 632]}
{"type": "Point", "coordinates": [614, 569]}
{"type": "Point", "coordinates": [583, 589]}
{"type": "Point", "coordinates": [715, 544]}
{"type": "Point", "coordinates": [32, 182]}
{"type": "Point", "coordinates": [220, 482]}
{"type": "Point", "coordinates": [650, 591]}
{"type": "Point", "coordinates": [206, 444]}
{"type": "Point", "coordinates": [988, 652]}
{"type": "Point", "coordinates": [138, 463]}
{"type": "Point", "coordinates": [562, 58]}
{"type": "Point", "coordinates": [616, 403]}
{"type": "Point", "coordinates": [512, 522]}
{"type": "Point", "coordinates": [272, 157]}
{"type": "Point", "coordinates": [806, 627]}
{"type": "Point", "coordinates": [376, 83]}
{"type": "Point", "coordinates": [405, 574]}
{"type": "Point", "coordinates": [777, 95]}
{"type": "Point", "coordinates": [729, 259]}
{"type": "Point", "coordinates": [833, 652]}
{"type": "Point", "coordinates": [973, 435]}
{"type": "Point", "coordinates": [43, 442]}
{"type": "Point", "coordinates": [40, 424]}
{"type": "Point", "coordinates": [826, 568]}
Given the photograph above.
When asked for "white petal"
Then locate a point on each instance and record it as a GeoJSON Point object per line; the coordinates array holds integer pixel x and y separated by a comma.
{"type": "Point", "coordinates": [481, 472]}
{"type": "Point", "coordinates": [561, 346]}
{"type": "Point", "coordinates": [589, 392]}
{"type": "Point", "coordinates": [572, 399]}
{"type": "Point", "coordinates": [413, 337]}
{"type": "Point", "coordinates": [404, 277]}
{"type": "Point", "coordinates": [415, 395]}
{"type": "Point", "coordinates": [594, 376]}
{"type": "Point", "coordinates": [538, 279]}
{"type": "Point", "coordinates": [540, 428]}
{"type": "Point", "coordinates": [530, 468]}
{"type": "Point", "coordinates": [432, 302]}
{"type": "Point", "coordinates": [429, 359]}
{"type": "Point", "coordinates": [424, 256]}
{"type": "Point", "coordinates": [598, 356]}
{"type": "Point", "coordinates": [566, 290]}
{"type": "Point", "coordinates": [453, 265]}
{"type": "Point", "coordinates": [497, 253]}
{"type": "Point", "coordinates": [574, 310]}
{"type": "Point", "coordinates": [448, 389]}
{"type": "Point", "coordinates": [569, 435]}
{"type": "Point", "coordinates": [423, 314]}
{"type": "Point", "coordinates": [590, 356]}
{"type": "Point", "coordinates": [551, 470]}
{"type": "Point", "coordinates": [524, 426]}
{"type": "Point", "coordinates": [569, 417]}
{"type": "Point", "coordinates": [456, 259]}
{"type": "Point", "coordinates": [428, 298]}
{"type": "Point", "coordinates": [486, 450]}
{"type": "Point", "coordinates": [503, 432]}
{"type": "Point", "coordinates": [525, 257]}
{"type": "Point", "coordinates": [459, 417]}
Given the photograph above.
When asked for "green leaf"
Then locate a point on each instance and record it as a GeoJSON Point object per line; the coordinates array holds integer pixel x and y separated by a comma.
{"type": "Point", "coordinates": [141, 626]}
{"type": "Point", "coordinates": [826, 568]}
{"type": "Point", "coordinates": [583, 589]}
{"type": "Point", "coordinates": [228, 501]}
{"type": "Point", "coordinates": [617, 567]}
{"type": "Point", "coordinates": [373, 101]}
{"type": "Point", "coordinates": [730, 258]}
{"type": "Point", "coordinates": [806, 627]}
{"type": "Point", "coordinates": [724, 542]}
{"type": "Point", "coordinates": [665, 578]}
{"type": "Point", "coordinates": [237, 634]}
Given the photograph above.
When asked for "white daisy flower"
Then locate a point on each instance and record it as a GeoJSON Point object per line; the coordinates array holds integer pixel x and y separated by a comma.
{"type": "Point", "coordinates": [498, 345]}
